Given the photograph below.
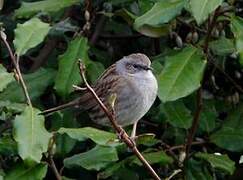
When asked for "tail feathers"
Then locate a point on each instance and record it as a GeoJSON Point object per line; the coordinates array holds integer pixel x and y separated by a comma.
{"type": "Point", "coordinates": [63, 106]}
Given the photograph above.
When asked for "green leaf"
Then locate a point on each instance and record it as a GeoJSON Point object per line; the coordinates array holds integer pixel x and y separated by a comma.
{"type": "Point", "coordinates": [31, 135]}
{"type": "Point", "coordinates": [236, 27]}
{"type": "Point", "coordinates": [8, 146]}
{"type": "Point", "coordinates": [95, 159]}
{"type": "Point", "coordinates": [222, 46]}
{"type": "Point", "coordinates": [154, 157]}
{"type": "Point", "coordinates": [29, 9]}
{"type": "Point", "coordinates": [68, 70]}
{"type": "Point", "coordinates": [154, 31]}
{"type": "Point", "coordinates": [94, 70]}
{"type": "Point", "coordinates": [111, 170]}
{"type": "Point", "coordinates": [5, 77]}
{"type": "Point", "coordinates": [13, 107]}
{"type": "Point", "coordinates": [22, 172]}
{"type": "Point", "coordinates": [221, 162]}
{"type": "Point", "coordinates": [197, 170]}
{"type": "Point", "coordinates": [202, 8]}
{"type": "Point", "coordinates": [29, 35]}
{"type": "Point", "coordinates": [36, 84]}
{"type": "Point", "coordinates": [162, 12]}
{"type": "Point", "coordinates": [181, 75]}
{"type": "Point", "coordinates": [177, 114]}
{"type": "Point", "coordinates": [98, 136]}
{"type": "Point", "coordinates": [208, 117]}
{"type": "Point", "coordinates": [231, 134]}
{"type": "Point", "coordinates": [64, 143]}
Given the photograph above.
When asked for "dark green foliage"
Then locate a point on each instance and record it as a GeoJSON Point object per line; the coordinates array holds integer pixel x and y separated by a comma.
{"type": "Point", "coordinates": [196, 48]}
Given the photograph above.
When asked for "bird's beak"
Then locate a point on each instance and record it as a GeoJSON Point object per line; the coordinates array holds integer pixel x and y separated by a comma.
{"type": "Point", "coordinates": [150, 68]}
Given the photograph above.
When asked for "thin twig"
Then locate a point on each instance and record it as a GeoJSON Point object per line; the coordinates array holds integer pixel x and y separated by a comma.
{"type": "Point", "coordinates": [98, 30]}
{"type": "Point", "coordinates": [43, 54]}
{"type": "Point", "coordinates": [195, 122]}
{"type": "Point", "coordinates": [125, 138]}
{"type": "Point", "coordinates": [174, 174]}
{"type": "Point", "coordinates": [237, 86]}
{"type": "Point", "coordinates": [15, 61]}
{"type": "Point", "coordinates": [199, 102]}
{"type": "Point", "coordinates": [54, 168]}
{"type": "Point", "coordinates": [182, 146]}
{"type": "Point", "coordinates": [51, 161]}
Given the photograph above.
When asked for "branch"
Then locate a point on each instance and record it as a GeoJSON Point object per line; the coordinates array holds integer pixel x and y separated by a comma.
{"type": "Point", "coordinates": [182, 146]}
{"type": "Point", "coordinates": [195, 122]}
{"type": "Point", "coordinates": [211, 24]}
{"type": "Point", "coordinates": [43, 54]}
{"type": "Point", "coordinates": [15, 61]}
{"type": "Point", "coordinates": [237, 86]}
{"type": "Point", "coordinates": [123, 135]}
{"type": "Point", "coordinates": [98, 30]}
{"type": "Point", "coordinates": [51, 161]}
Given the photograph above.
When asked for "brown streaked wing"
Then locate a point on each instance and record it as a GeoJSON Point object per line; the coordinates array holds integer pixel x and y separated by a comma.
{"type": "Point", "coordinates": [102, 87]}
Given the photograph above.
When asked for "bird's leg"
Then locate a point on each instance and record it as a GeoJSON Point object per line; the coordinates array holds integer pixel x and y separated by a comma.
{"type": "Point", "coordinates": [134, 128]}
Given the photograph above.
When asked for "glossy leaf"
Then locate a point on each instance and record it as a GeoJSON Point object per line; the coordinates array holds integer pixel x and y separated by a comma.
{"type": "Point", "coordinates": [98, 136]}
{"type": "Point", "coordinates": [95, 159]}
{"type": "Point", "coordinates": [31, 135]}
{"type": "Point", "coordinates": [221, 162]}
{"type": "Point", "coordinates": [28, 9]}
{"type": "Point", "coordinates": [109, 171]}
{"type": "Point", "coordinates": [12, 107]}
{"type": "Point", "coordinates": [23, 172]}
{"type": "Point", "coordinates": [177, 114]}
{"type": "Point", "coordinates": [94, 70]}
{"type": "Point", "coordinates": [8, 146]}
{"type": "Point", "coordinates": [36, 83]}
{"type": "Point", "coordinates": [181, 75]}
{"type": "Point", "coordinates": [64, 143]}
{"type": "Point", "coordinates": [197, 170]}
{"type": "Point", "coordinates": [68, 70]}
{"type": "Point", "coordinates": [222, 46]}
{"type": "Point", "coordinates": [29, 35]}
{"type": "Point", "coordinates": [236, 27]}
{"type": "Point", "coordinates": [154, 31]}
{"type": "Point", "coordinates": [231, 133]}
{"type": "Point", "coordinates": [154, 157]}
{"type": "Point", "coordinates": [208, 117]}
{"type": "Point", "coordinates": [202, 8]}
{"type": "Point", "coordinates": [162, 12]}
{"type": "Point", "coordinates": [5, 78]}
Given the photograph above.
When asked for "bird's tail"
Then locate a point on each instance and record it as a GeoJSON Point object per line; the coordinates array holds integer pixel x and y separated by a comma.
{"type": "Point", "coordinates": [73, 103]}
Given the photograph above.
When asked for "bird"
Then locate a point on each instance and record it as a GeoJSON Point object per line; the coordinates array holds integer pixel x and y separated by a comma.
{"type": "Point", "coordinates": [132, 81]}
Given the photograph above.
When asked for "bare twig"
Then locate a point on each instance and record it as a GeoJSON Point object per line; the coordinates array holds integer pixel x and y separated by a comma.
{"type": "Point", "coordinates": [98, 30]}
{"type": "Point", "coordinates": [51, 161]}
{"type": "Point", "coordinates": [174, 174]}
{"type": "Point", "coordinates": [15, 61]}
{"type": "Point", "coordinates": [195, 122]}
{"type": "Point", "coordinates": [43, 54]}
{"type": "Point", "coordinates": [125, 138]}
{"type": "Point", "coordinates": [182, 146]}
{"type": "Point", "coordinates": [54, 168]}
{"type": "Point", "coordinates": [237, 86]}
{"type": "Point", "coordinates": [199, 103]}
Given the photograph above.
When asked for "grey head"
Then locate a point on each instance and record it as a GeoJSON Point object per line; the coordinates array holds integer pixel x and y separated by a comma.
{"type": "Point", "coordinates": [133, 64]}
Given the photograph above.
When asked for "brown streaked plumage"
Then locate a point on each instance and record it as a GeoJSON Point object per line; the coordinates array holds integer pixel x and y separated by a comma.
{"type": "Point", "coordinates": [134, 85]}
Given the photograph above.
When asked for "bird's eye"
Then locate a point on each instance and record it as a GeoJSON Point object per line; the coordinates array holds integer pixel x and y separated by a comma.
{"type": "Point", "coordinates": [135, 66]}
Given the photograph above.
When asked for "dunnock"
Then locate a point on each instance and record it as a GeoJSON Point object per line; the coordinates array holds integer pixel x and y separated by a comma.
{"type": "Point", "coordinates": [135, 87]}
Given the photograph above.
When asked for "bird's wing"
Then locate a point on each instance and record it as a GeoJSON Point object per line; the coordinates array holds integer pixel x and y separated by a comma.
{"type": "Point", "coordinates": [103, 87]}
